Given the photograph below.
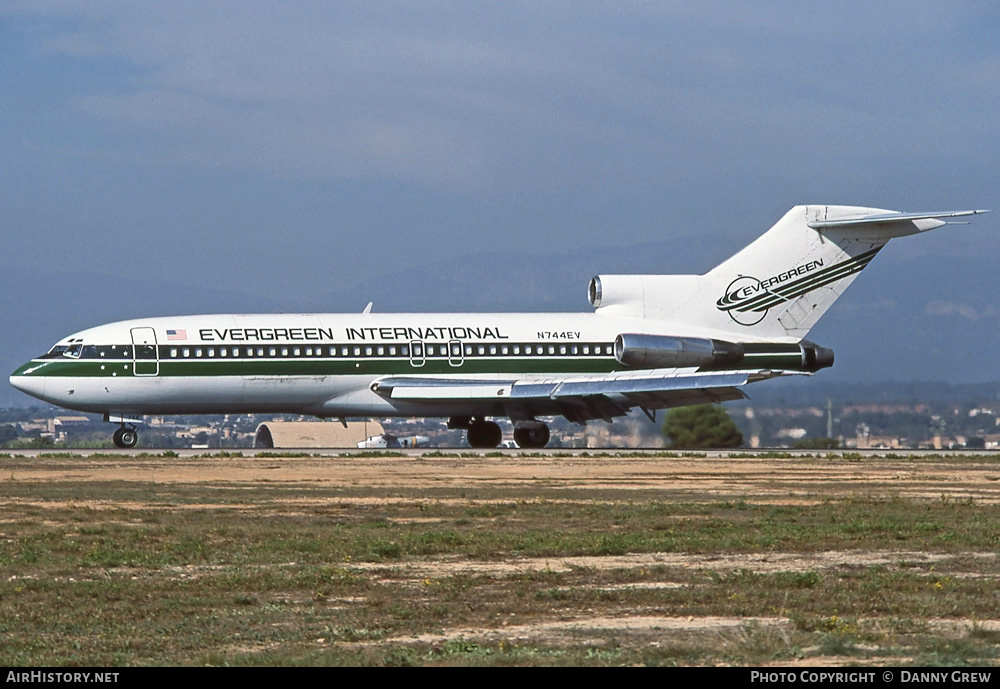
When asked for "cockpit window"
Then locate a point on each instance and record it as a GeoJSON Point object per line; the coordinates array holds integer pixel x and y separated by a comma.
{"type": "Point", "coordinates": [78, 350]}
{"type": "Point", "coordinates": [55, 352]}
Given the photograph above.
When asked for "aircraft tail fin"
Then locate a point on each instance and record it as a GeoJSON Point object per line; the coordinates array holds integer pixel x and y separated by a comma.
{"type": "Point", "coordinates": [779, 286]}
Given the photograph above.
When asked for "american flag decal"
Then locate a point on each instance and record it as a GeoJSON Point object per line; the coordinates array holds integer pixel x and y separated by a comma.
{"type": "Point", "coordinates": [177, 334]}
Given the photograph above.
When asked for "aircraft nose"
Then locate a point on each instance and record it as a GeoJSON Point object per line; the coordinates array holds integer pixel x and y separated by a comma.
{"type": "Point", "coordinates": [27, 383]}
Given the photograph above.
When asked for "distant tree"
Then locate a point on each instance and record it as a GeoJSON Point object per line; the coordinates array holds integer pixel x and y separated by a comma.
{"type": "Point", "coordinates": [8, 432]}
{"type": "Point", "coordinates": [976, 443]}
{"type": "Point", "coordinates": [821, 443]}
{"type": "Point", "coordinates": [705, 425]}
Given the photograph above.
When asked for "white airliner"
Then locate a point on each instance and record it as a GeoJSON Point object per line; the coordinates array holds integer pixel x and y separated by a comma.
{"type": "Point", "coordinates": [652, 342]}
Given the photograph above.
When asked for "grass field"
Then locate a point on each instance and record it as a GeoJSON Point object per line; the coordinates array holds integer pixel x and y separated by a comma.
{"type": "Point", "coordinates": [499, 560]}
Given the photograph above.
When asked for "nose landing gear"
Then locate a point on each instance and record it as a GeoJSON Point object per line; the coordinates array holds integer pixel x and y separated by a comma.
{"type": "Point", "coordinates": [125, 437]}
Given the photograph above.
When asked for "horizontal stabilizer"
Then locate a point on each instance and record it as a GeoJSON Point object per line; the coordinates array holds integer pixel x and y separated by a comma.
{"type": "Point", "coordinates": [888, 218]}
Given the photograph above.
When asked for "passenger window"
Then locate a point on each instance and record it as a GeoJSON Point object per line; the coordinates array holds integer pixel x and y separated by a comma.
{"type": "Point", "coordinates": [173, 353]}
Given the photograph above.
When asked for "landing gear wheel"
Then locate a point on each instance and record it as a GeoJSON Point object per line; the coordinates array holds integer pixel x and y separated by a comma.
{"type": "Point", "coordinates": [125, 438]}
{"type": "Point", "coordinates": [532, 436]}
{"type": "Point", "coordinates": [484, 434]}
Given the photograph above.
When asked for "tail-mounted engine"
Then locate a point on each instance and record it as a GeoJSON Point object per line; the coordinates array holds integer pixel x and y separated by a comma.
{"type": "Point", "coordinates": [664, 351]}
{"type": "Point", "coordinates": [616, 290]}
{"type": "Point", "coordinates": [661, 351]}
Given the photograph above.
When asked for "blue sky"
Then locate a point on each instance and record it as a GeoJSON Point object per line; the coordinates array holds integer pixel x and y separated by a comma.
{"type": "Point", "coordinates": [274, 148]}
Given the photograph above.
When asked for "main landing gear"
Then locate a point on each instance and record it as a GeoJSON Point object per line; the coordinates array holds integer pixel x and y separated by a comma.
{"type": "Point", "coordinates": [531, 434]}
{"type": "Point", "coordinates": [483, 434]}
{"type": "Point", "coordinates": [125, 437]}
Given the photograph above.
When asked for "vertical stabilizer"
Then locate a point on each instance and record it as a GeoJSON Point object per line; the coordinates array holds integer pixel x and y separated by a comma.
{"type": "Point", "coordinates": [779, 286]}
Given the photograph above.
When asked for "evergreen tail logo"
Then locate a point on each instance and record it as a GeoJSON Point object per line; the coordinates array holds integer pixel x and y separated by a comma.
{"type": "Point", "coordinates": [748, 299]}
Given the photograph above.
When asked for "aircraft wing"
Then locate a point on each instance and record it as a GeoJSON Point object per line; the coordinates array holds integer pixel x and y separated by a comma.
{"type": "Point", "coordinates": [580, 398]}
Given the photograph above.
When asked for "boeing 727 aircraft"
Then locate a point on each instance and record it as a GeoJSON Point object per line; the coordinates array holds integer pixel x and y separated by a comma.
{"type": "Point", "coordinates": [652, 342]}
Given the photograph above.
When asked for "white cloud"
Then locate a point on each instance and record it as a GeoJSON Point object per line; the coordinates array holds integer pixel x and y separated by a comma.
{"type": "Point", "coordinates": [938, 307]}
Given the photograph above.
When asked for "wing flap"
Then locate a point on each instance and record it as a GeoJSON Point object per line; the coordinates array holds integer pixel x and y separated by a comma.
{"type": "Point", "coordinates": [477, 391]}
{"type": "Point", "coordinates": [647, 384]}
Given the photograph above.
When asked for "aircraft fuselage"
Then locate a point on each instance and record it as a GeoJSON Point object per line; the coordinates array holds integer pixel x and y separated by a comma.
{"type": "Point", "coordinates": [317, 364]}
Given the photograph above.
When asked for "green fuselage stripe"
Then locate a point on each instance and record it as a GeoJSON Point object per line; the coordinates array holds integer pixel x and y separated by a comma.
{"type": "Point", "coordinates": [173, 363]}
{"type": "Point", "coordinates": [320, 367]}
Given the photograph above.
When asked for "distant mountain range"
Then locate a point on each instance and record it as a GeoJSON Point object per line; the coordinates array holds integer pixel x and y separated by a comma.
{"type": "Point", "coordinates": [919, 318]}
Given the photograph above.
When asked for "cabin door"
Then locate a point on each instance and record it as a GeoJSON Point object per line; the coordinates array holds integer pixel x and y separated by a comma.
{"type": "Point", "coordinates": [417, 356]}
{"type": "Point", "coordinates": [145, 361]}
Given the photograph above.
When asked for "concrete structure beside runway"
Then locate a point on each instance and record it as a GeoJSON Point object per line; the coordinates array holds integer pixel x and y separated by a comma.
{"type": "Point", "coordinates": [314, 434]}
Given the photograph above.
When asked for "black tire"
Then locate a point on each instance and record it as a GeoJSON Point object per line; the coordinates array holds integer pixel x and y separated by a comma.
{"type": "Point", "coordinates": [129, 437]}
{"type": "Point", "coordinates": [534, 436]}
{"type": "Point", "coordinates": [125, 438]}
{"type": "Point", "coordinates": [484, 434]}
